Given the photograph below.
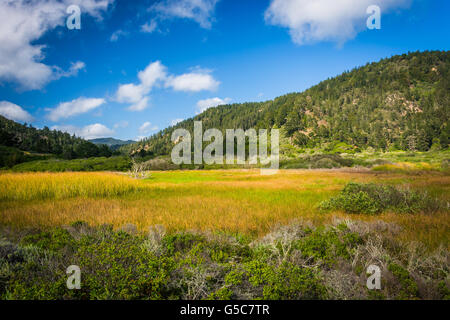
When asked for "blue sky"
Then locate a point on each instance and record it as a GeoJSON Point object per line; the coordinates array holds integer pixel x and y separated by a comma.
{"type": "Point", "coordinates": [195, 54]}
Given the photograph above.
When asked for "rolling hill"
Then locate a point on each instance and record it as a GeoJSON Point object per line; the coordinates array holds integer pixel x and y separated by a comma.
{"type": "Point", "coordinates": [398, 103]}
{"type": "Point", "coordinates": [22, 142]}
{"type": "Point", "coordinates": [113, 143]}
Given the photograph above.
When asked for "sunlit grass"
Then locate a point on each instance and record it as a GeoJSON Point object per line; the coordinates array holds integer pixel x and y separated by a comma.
{"type": "Point", "coordinates": [41, 186]}
{"type": "Point", "coordinates": [234, 201]}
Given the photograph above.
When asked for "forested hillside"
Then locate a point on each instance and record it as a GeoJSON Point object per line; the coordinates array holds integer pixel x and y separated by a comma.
{"type": "Point", "coordinates": [402, 102]}
{"type": "Point", "coordinates": [26, 138]}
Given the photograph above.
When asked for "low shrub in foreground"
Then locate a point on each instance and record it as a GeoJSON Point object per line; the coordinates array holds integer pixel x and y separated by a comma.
{"type": "Point", "coordinates": [293, 262]}
{"type": "Point", "coordinates": [373, 199]}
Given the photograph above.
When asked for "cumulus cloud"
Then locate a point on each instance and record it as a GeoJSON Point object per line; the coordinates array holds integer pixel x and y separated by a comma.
{"type": "Point", "coordinates": [75, 107]}
{"type": "Point", "coordinates": [312, 21]}
{"type": "Point", "coordinates": [14, 112]}
{"type": "Point", "coordinates": [147, 127]}
{"type": "Point", "coordinates": [92, 131]}
{"type": "Point", "coordinates": [201, 11]}
{"type": "Point", "coordinates": [193, 82]}
{"type": "Point", "coordinates": [137, 94]}
{"type": "Point", "coordinates": [22, 22]}
{"type": "Point", "coordinates": [203, 105]}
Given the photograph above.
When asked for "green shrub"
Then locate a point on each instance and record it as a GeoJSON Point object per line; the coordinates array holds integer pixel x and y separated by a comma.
{"type": "Point", "coordinates": [373, 199]}
{"type": "Point", "coordinates": [294, 263]}
{"type": "Point", "coordinates": [408, 286]}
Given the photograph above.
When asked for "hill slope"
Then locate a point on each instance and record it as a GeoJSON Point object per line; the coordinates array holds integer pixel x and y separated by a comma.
{"type": "Point", "coordinates": [26, 138]}
{"type": "Point", "coordinates": [397, 103]}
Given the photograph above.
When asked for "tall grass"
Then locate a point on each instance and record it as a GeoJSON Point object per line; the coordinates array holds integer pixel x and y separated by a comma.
{"type": "Point", "coordinates": [233, 201]}
{"type": "Point", "coordinates": [42, 186]}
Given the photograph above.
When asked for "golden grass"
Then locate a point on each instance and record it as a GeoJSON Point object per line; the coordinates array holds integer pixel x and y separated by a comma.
{"type": "Point", "coordinates": [237, 201]}
{"type": "Point", "coordinates": [40, 186]}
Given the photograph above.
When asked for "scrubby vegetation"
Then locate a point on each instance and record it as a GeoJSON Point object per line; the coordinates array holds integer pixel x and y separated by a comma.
{"type": "Point", "coordinates": [374, 198]}
{"type": "Point", "coordinates": [118, 163]}
{"type": "Point", "coordinates": [298, 261]}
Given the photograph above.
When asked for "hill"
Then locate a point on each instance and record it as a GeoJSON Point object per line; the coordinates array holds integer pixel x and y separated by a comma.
{"type": "Point", "coordinates": [398, 103]}
{"type": "Point", "coordinates": [19, 140]}
{"type": "Point", "coordinates": [113, 143]}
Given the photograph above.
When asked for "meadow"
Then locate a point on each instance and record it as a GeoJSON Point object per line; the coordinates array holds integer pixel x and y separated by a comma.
{"type": "Point", "coordinates": [225, 234]}
{"type": "Point", "coordinates": [230, 201]}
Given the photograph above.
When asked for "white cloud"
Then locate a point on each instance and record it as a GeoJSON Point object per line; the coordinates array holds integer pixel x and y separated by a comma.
{"type": "Point", "coordinates": [21, 23]}
{"type": "Point", "coordinates": [74, 107]}
{"type": "Point", "coordinates": [149, 27]}
{"type": "Point", "coordinates": [137, 95]}
{"type": "Point", "coordinates": [193, 82]}
{"type": "Point", "coordinates": [73, 70]}
{"type": "Point", "coordinates": [14, 112]}
{"type": "Point", "coordinates": [140, 105]}
{"type": "Point", "coordinates": [92, 131]}
{"type": "Point", "coordinates": [202, 105]}
{"type": "Point", "coordinates": [131, 93]}
{"type": "Point", "coordinates": [153, 73]}
{"type": "Point", "coordinates": [147, 127]}
{"type": "Point", "coordinates": [117, 34]}
{"type": "Point", "coordinates": [311, 21]}
{"type": "Point", "coordinates": [175, 121]}
{"type": "Point", "coordinates": [201, 11]}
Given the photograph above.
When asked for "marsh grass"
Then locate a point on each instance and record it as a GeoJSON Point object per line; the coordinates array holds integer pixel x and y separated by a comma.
{"type": "Point", "coordinates": [231, 201]}
{"type": "Point", "coordinates": [44, 186]}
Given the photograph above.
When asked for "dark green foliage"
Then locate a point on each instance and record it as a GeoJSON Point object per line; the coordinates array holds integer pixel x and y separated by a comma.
{"type": "Point", "coordinates": [373, 199]}
{"type": "Point", "coordinates": [407, 284]}
{"type": "Point", "coordinates": [293, 264]}
{"type": "Point", "coordinates": [328, 245]}
{"type": "Point", "coordinates": [27, 138]}
{"type": "Point", "coordinates": [320, 161]}
{"type": "Point", "coordinates": [10, 156]}
{"type": "Point", "coordinates": [49, 240]}
{"type": "Point", "coordinates": [285, 282]}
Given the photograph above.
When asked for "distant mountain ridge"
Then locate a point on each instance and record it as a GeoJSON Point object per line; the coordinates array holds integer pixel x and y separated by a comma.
{"type": "Point", "coordinates": [111, 142]}
{"type": "Point", "coordinates": [398, 103]}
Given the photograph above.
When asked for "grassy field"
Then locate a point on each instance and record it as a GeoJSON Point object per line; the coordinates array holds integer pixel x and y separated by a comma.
{"type": "Point", "coordinates": [231, 201]}
{"type": "Point", "coordinates": [226, 234]}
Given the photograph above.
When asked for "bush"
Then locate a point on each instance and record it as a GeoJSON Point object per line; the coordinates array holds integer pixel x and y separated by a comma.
{"type": "Point", "coordinates": [295, 262]}
{"type": "Point", "coordinates": [317, 161]}
{"type": "Point", "coordinates": [374, 199]}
